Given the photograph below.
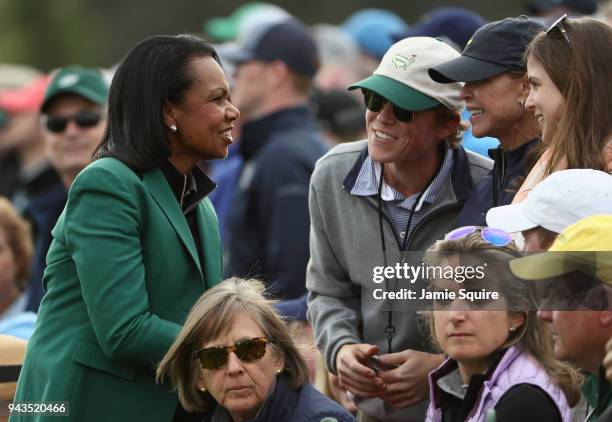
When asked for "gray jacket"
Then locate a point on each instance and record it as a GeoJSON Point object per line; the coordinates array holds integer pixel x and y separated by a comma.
{"type": "Point", "coordinates": [345, 245]}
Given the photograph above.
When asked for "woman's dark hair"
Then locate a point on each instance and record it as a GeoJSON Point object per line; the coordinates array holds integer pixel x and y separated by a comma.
{"type": "Point", "coordinates": [155, 71]}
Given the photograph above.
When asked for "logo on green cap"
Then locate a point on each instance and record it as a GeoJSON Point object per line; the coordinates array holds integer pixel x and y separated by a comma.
{"type": "Point", "coordinates": [402, 62]}
{"type": "Point", "coordinates": [68, 80]}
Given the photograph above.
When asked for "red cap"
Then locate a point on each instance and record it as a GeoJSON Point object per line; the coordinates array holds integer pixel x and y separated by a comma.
{"type": "Point", "coordinates": [28, 98]}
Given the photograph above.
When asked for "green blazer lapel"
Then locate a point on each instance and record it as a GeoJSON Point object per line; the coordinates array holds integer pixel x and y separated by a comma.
{"type": "Point", "coordinates": [211, 243]}
{"type": "Point", "coordinates": [162, 193]}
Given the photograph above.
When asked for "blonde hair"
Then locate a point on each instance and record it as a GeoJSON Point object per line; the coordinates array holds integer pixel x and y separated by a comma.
{"type": "Point", "coordinates": [19, 238]}
{"type": "Point", "coordinates": [213, 314]}
{"type": "Point", "coordinates": [534, 336]}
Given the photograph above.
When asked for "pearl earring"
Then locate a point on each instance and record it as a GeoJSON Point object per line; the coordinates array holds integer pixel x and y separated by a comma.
{"type": "Point", "coordinates": [512, 329]}
{"type": "Point", "coordinates": [203, 390]}
{"type": "Point", "coordinates": [173, 128]}
{"type": "Point", "coordinates": [279, 371]}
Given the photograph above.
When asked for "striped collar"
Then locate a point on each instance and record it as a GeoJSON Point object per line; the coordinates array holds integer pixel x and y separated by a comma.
{"type": "Point", "coordinates": [366, 183]}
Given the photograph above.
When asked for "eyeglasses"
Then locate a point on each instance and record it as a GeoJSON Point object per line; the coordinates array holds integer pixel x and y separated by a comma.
{"type": "Point", "coordinates": [249, 350]}
{"type": "Point", "coordinates": [84, 119]}
{"type": "Point", "coordinates": [571, 292]}
{"type": "Point", "coordinates": [558, 30]}
{"type": "Point", "coordinates": [493, 236]}
{"type": "Point", "coordinates": [375, 102]}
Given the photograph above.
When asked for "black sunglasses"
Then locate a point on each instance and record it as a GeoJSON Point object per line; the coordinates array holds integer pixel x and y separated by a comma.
{"type": "Point", "coordinates": [557, 29]}
{"type": "Point", "coordinates": [375, 102]}
{"type": "Point", "coordinates": [84, 119]}
{"type": "Point", "coordinates": [249, 350]}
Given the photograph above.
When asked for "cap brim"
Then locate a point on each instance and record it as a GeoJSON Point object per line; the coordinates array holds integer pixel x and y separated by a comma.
{"type": "Point", "coordinates": [554, 263]}
{"type": "Point", "coordinates": [398, 93]}
{"type": "Point", "coordinates": [539, 266]}
{"type": "Point", "coordinates": [84, 92]}
{"type": "Point", "coordinates": [510, 218]}
{"type": "Point", "coordinates": [465, 69]}
{"type": "Point", "coordinates": [234, 53]}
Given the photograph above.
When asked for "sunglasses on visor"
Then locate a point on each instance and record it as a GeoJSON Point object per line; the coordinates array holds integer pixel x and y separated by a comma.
{"type": "Point", "coordinates": [249, 350]}
{"type": "Point", "coordinates": [375, 102]}
{"type": "Point", "coordinates": [495, 237]}
{"type": "Point", "coordinates": [83, 119]}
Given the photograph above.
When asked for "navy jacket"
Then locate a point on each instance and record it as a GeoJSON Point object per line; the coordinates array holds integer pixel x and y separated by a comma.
{"type": "Point", "coordinates": [45, 209]}
{"type": "Point", "coordinates": [225, 173]}
{"type": "Point", "coordinates": [269, 221]}
{"type": "Point", "coordinates": [499, 186]}
{"type": "Point", "coordinates": [41, 199]}
{"type": "Point", "coordinates": [303, 404]}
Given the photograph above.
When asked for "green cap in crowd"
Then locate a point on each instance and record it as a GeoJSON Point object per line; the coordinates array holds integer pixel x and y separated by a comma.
{"type": "Point", "coordinates": [88, 83]}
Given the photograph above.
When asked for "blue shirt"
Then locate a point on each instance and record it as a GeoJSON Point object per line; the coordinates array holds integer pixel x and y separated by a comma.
{"type": "Point", "coordinates": [16, 321]}
{"type": "Point", "coordinates": [398, 205]}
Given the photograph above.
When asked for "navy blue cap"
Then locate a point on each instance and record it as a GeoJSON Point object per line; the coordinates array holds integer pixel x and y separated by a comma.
{"type": "Point", "coordinates": [288, 41]}
{"type": "Point", "coordinates": [455, 23]}
{"type": "Point", "coordinates": [495, 48]}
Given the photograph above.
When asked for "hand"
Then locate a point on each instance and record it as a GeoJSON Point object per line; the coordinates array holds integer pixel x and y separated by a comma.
{"type": "Point", "coordinates": [607, 362]}
{"type": "Point", "coordinates": [339, 394]}
{"type": "Point", "coordinates": [353, 373]}
{"type": "Point", "coordinates": [408, 384]}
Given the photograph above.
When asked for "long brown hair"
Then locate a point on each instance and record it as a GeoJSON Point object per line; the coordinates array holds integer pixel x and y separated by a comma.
{"type": "Point", "coordinates": [581, 71]}
{"type": "Point", "coordinates": [534, 336]}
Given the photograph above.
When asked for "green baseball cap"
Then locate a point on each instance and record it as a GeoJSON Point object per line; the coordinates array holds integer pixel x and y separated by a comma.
{"type": "Point", "coordinates": [86, 82]}
{"type": "Point", "coordinates": [228, 28]}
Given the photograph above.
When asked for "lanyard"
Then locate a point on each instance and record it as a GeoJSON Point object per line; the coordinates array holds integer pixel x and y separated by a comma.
{"type": "Point", "coordinates": [390, 328]}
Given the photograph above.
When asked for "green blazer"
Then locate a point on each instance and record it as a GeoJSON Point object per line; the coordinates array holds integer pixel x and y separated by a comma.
{"type": "Point", "coordinates": [122, 274]}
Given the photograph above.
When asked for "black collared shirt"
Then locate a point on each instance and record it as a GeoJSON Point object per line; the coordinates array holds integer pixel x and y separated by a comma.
{"type": "Point", "coordinates": [189, 190]}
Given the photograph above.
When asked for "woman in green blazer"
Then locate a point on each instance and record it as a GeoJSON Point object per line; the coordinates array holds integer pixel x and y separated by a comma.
{"type": "Point", "coordinates": [137, 242]}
